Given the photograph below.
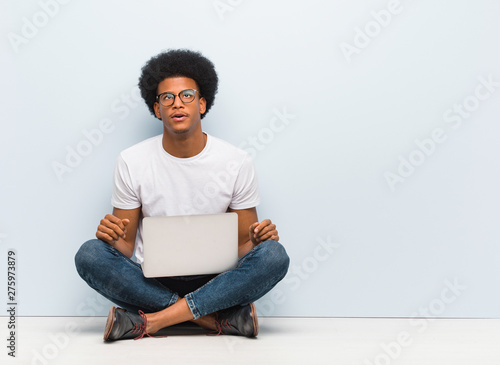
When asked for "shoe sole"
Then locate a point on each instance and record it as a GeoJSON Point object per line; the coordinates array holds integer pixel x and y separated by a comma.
{"type": "Point", "coordinates": [255, 321]}
{"type": "Point", "coordinates": [109, 323]}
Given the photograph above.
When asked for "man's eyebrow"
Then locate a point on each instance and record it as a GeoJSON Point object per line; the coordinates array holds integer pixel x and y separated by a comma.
{"type": "Point", "coordinates": [173, 92]}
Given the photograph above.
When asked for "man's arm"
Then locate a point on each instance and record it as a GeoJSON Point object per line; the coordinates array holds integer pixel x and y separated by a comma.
{"type": "Point", "coordinates": [119, 229]}
{"type": "Point", "coordinates": [251, 232]}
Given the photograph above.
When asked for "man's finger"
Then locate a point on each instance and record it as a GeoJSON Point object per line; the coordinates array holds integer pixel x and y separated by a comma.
{"type": "Point", "coordinates": [251, 229]}
{"type": "Point", "coordinates": [268, 235]}
{"type": "Point", "coordinates": [116, 220]}
{"type": "Point", "coordinates": [262, 224]}
{"type": "Point", "coordinates": [268, 228]}
{"type": "Point", "coordinates": [118, 227]}
{"type": "Point", "coordinates": [108, 231]}
{"type": "Point", "coordinates": [104, 237]}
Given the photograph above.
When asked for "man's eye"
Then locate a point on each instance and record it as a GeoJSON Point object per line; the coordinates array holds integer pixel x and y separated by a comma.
{"type": "Point", "coordinates": [187, 94]}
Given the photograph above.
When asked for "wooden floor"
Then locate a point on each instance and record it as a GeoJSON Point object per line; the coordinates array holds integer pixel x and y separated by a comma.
{"type": "Point", "coordinates": [342, 341]}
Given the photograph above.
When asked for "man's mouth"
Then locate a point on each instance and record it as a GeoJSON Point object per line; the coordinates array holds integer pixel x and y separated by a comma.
{"type": "Point", "coordinates": [179, 117]}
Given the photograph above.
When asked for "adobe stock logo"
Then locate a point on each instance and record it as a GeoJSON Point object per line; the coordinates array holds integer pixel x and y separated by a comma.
{"type": "Point", "coordinates": [277, 123]}
{"type": "Point", "coordinates": [223, 6]}
{"type": "Point", "coordinates": [61, 340]}
{"type": "Point", "coordinates": [31, 26]}
{"type": "Point", "coordinates": [392, 350]}
{"type": "Point", "coordinates": [121, 108]}
{"type": "Point", "coordinates": [298, 274]}
{"type": "Point", "coordinates": [363, 37]}
{"type": "Point", "coordinates": [454, 117]}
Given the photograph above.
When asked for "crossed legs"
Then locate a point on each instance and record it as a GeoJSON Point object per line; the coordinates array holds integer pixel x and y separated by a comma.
{"type": "Point", "coordinates": [119, 279]}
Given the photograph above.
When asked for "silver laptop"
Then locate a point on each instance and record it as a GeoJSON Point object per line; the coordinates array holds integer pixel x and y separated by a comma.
{"type": "Point", "coordinates": [189, 245]}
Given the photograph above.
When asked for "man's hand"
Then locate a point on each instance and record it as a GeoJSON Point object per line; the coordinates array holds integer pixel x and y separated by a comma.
{"type": "Point", "coordinates": [263, 231]}
{"type": "Point", "coordinates": [112, 229]}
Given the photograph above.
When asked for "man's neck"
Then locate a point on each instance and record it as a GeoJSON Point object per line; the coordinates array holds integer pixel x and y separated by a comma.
{"type": "Point", "coordinates": [184, 146]}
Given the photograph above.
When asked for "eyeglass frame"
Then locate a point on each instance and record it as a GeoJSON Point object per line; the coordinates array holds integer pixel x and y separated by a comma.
{"type": "Point", "coordinates": [178, 95]}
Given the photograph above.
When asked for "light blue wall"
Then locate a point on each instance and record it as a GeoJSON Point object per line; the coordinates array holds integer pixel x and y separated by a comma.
{"type": "Point", "coordinates": [382, 176]}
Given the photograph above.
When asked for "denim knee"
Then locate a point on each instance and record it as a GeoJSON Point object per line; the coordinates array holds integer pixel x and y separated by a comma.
{"type": "Point", "coordinates": [87, 255]}
{"type": "Point", "coordinates": [277, 257]}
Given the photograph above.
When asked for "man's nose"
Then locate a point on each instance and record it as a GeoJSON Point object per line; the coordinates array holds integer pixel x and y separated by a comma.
{"type": "Point", "coordinates": [177, 102]}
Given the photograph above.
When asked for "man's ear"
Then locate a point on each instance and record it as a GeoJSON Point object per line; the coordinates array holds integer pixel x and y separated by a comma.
{"type": "Point", "coordinates": [203, 105]}
{"type": "Point", "coordinates": [156, 107]}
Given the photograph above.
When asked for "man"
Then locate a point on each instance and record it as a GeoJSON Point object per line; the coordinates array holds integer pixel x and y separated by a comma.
{"type": "Point", "coordinates": [173, 174]}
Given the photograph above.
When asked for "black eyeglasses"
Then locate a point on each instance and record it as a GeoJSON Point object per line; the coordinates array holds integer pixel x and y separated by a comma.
{"type": "Point", "coordinates": [168, 98]}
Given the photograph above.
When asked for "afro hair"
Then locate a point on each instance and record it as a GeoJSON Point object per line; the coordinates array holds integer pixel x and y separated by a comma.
{"type": "Point", "coordinates": [179, 63]}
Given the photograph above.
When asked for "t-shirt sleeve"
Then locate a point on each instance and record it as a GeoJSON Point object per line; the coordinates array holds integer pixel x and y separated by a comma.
{"type": "Point", "coordinates": [246, 190]}
{"type": "Point", "coordinates": [124, 196]}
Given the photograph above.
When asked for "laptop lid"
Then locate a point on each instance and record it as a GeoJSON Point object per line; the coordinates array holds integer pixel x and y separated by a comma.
{"type": "Point", "coordinates": [189, 245]}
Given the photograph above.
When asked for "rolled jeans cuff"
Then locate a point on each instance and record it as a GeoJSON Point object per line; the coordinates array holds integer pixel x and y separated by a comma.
{"type": "Point", "coordinates": [192, 306]}
{"type": "Point", "coordinates": [174, 299]}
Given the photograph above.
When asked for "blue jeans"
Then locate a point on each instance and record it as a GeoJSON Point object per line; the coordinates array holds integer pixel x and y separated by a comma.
{"type": "Point", "coordinates": [121, 280]}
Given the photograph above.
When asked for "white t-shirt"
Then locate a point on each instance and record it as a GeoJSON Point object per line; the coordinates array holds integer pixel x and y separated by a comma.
{"type": "Point", "coordinates": [219, 177]}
